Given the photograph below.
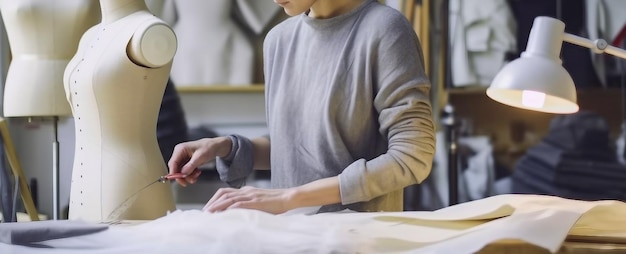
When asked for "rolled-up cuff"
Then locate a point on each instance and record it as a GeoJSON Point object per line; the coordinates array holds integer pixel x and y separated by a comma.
{"type": "Point", "coordinates": [237, 166]}
{"type": "Point", "coordinates": [353, 183]}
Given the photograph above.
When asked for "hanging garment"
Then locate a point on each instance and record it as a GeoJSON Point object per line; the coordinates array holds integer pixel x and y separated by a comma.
{"type": "Point", "coordinates": [482, 33]}
{"type": "Point", "coordinates": [616, 67]}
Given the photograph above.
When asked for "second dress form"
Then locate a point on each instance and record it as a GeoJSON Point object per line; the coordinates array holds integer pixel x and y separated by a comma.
{"type": "Point", "coordinates": [115, 103]}
{"type": "Point", "coordinates": [43, 36]}
{"type": "Point", "coordinates": [213, 49]}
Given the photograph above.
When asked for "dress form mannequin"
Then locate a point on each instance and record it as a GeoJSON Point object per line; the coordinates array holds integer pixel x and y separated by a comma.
{"type": "Point", "coordinates": [114, 84]}
{"type": "Point", "coordinates": [213, 46]}
{"type": "Point", "coordinates": [43, 36]}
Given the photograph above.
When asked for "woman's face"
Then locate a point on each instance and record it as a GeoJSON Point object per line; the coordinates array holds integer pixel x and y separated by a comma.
{"type": "Point", "coordinates": [295, 7]}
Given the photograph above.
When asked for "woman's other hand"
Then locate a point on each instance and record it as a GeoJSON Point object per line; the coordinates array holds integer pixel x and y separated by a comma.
{"type": "Point", "coordinates": [275, 201]}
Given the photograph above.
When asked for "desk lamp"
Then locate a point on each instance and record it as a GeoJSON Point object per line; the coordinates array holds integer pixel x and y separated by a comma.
{"type": "Point", "coordinates": [536, 80]}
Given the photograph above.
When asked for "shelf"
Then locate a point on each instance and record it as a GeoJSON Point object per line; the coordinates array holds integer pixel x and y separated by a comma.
{"type": "Point", "coordinates": [222, 88]}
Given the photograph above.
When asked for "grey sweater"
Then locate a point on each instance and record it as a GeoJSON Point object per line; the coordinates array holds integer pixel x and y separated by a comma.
{"type": "Point", "coordinates": [345, 96]}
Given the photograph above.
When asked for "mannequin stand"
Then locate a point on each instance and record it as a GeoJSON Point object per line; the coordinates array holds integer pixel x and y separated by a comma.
{"type": "Point", "coordinates": [16, 169]}
{"type": "Point", "coordinates": [55, 170]}
{"type": "Point", "coordinates": [56, 207]}
{"type": "Point", "coordinates": [450, 124]}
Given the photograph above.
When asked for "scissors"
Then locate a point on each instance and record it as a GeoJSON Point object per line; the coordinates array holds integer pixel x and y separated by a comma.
{"type": "Point", "coordinates": [174, 176]}
{"type": "Point", "coordinates": [121, 208]}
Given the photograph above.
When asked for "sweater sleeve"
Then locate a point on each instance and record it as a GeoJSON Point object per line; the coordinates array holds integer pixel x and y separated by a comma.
{"type": "Point", "coordinates": [404, 111]}
{"type": "Point", "coordinates": [237, 166]}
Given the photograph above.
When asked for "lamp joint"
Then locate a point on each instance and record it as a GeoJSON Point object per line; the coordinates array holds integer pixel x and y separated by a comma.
{"type": "Point", "coordinates": [599, 46]}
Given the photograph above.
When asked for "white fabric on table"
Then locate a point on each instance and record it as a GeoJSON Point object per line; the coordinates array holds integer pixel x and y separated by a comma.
{"type": "Point", "coordinates": [465, 228]}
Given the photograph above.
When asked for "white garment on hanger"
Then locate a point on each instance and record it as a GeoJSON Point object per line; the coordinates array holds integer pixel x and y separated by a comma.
{"type": "Point", "coordinates": [481, 33]}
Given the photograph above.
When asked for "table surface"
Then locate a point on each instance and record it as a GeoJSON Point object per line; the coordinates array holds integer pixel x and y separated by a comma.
{"type": "Point", "coordinates": [572, 245]}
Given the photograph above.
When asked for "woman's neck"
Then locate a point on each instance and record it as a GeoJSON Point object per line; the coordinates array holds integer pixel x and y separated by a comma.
{"type": "Point", "coordinates": [113, 10]}
{"type": "Point", "coordinates": [324, 9]}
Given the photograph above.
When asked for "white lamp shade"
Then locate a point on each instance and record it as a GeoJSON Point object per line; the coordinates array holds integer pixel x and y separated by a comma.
{"type": "Point", "coordinates": [535, 74]}
{"type": "Point", "coordinates": [536, 80]}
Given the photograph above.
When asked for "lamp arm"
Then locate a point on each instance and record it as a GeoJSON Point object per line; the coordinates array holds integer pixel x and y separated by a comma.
{"type": "Point", "coordinates": [598, 46]}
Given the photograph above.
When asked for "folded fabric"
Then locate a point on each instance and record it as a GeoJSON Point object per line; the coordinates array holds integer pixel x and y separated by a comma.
{"type": "Point", "coordinates": [32, 232]}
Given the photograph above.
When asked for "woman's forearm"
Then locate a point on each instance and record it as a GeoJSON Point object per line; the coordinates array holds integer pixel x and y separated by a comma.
{"type": "Point", "coordinates": [261, 149]}
{"type": "Point", "coordinates": [317, 193]}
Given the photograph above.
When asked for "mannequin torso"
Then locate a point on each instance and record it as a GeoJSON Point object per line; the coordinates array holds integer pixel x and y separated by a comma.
{"type": "Point", "coordinates": [115, 83]}
{"type": "Point", "coordinates": [213, 48]}
{"type": "Point", "coordinates": [43, 35]}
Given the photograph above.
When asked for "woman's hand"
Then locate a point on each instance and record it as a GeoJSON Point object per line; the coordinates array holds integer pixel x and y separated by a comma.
{"type": "Point", "coordinates": [273, 201]}
{"type": "Point", "coordinates": [317, 193]}
{"type": "Point", "coordinates": [188, 156]}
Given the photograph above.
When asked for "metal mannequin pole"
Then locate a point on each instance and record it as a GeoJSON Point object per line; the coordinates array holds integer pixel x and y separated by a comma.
{"type": "Point", "coordinates": [55, 170]}
{"type": "Point", "coordinates": [450, 123]}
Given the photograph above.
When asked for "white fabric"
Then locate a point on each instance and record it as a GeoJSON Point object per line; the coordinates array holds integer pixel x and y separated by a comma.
{"type": "Point", "coordinates": [481, 33]}
{"type": "Point", "coordinates": [465, 228]}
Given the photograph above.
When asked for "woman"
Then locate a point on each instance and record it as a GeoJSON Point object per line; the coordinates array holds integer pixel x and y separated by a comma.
{"type": "Point", "coordinates": [348, 113]}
